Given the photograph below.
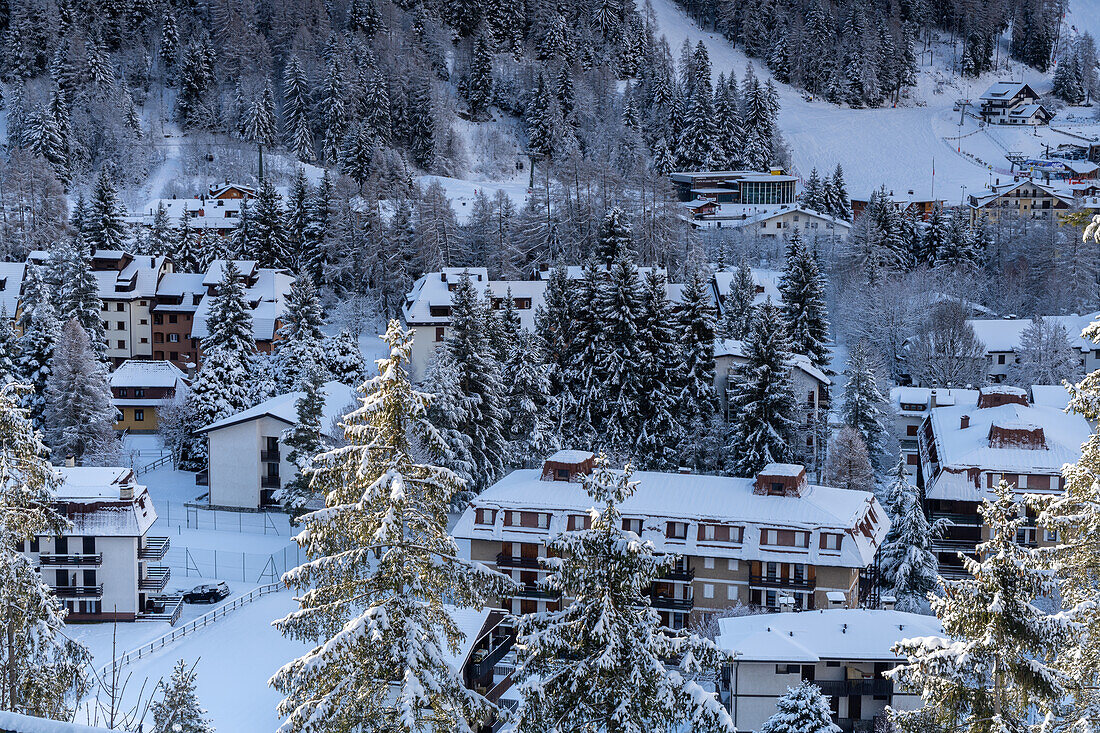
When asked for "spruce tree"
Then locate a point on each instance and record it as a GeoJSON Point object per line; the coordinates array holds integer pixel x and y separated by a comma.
{"type": "Point", "coordinates": [79, 417]}
{"type": "Point", "coordinates": [908, 567]}
{"type": "Point", "coordinates": [991, 672]}
{"type": "Point", "coordinates": [78, 295]}
{"type": "Point", "coordinates": [615, 237]}
{"type": "Point", "coordinates": [738, 306]}
{"type": "Point", "coordinates": [297, 220]}
{"type": "Point", "coordinates": [839, 205]}
{"type": "Point", "coordinates": [479, 86]}
{"type": "Point", "coordinates": [554, 328]}
{"type": "Point", "coordinates": [43, 669]}
{"type": "Point", "coordinates": [618, 306]}
{"type": "Point", "coordinates": [297, 130]}
{"type": "Point", "coordinates": [299, 348]}
{"type": "Point", "coordinates": [813, 193]}
{"type": "Point", "coordinates": [864, 403]}
{"type": "Point", "coordinates": [260, 126]}
{"type": "Point", "coordinates": [268, 234]}
{"type": "Point", "coordinates": [762, 403]}
{"type": "Point", "coordinates": [661, 380]}
{"type": "Point", "coordinates": [802, 289]}
{"type": "Point", "coordinates": [605, 656]}
{"type": "Point", "coordinates": [528, 426]}
{"type": "Point", "coordinates": [696, 333]}
{"type": "Point", "coordinates": [848, 465]}
{"type": "Point", "coordinates": [228, 323]}
{"type": "Point", "coordinates": [9, 348]}
{"type": "Point", "coordinates": [39, 331]}
{"type": "Point", "coordinates": [105, 229]}
{"type": "Point", "coordinates": [304, 442]}
{"type": "Point", "coordinates": [343, 359]}
{"type": "Point", "coordinates": [802, 710]}
{"type": "Point", "coordinates": [583, 413]}
{"type": "Point", "coordinates": [177, 710]}
{"type": "Point", "coordinates": [382, 576]}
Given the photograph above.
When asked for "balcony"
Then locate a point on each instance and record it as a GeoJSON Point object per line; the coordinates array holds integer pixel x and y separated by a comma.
{"type": "Point", "coordinates": [947, 544]}
{"type": "Point", "coordinates": [536, 593]}
{"type": "Point", "coordinates": [668, 603]}
{"type": "Point", "coordinates": [77, 591]}
{"type": "Point", "coordinates": [844, 688]}
{"type": "Point", "coordinates": [962, 520]}
{"type": "Point", "coordinates": [155, 548]}
{"type": "Point", "coordinates": [683, 575]}
{"type": "Point", "coordinates": [155, 580]}
{"type": "Point", "coordinates": [767, 581]}
{"type": "Point", "coordinates": [511, 561]}
{"type": "Point", "coordinates": [95, 558]}
{"type": "Point", "coordinates": [270, 456]}
{"type": "Point", "coordinates": [269, 482]}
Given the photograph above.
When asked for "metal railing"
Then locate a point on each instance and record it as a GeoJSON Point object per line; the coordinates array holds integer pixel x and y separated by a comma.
{"type": "Point", "coordinates": [95, 558]}
{"type": "Point", "coordinates": [192, 626]}
{"type": "Point", "coordinates": [682, 574]}
{"type": "Point", "coordinates": [269, 455]}
{"type": "Point", "coordinates": [77, 591]}
{"type": "Point", "coordinates": [269, 482]}
{"type": "Point", "coordinates": [533, 591]}
{"type": "Point", "coordinates": [511, 561]}
{"type": "Point", "coordinates": [163, 460]}
{"type": "Point", "coordinates": [768, 581]}
{"type": "Point", "coordinates": [669, 603]}
{"type": "Point", "coordinates": [971, 520]}
{"type": "Point", "coordinates": [155, 548]}
{"type": "Point", "coordinates": [156, 578]}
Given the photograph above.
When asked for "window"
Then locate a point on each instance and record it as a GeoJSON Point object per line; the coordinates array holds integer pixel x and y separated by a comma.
{"type": "Point", "coordinates": [784, 538]}
{"type": "Point", "coordinates": [719, 533]}
{"type": "Point", "coordinates": [731, 592]}
{"type": "Point", "coordinates": [173, 338]}
{"type": "Point", "coordinates": [144, 321]}
{"type": "Point", "coordinates": [788, 669]}
{"type": "Point", "coordinates": [633, 525]}
{"type": "Point", "coordinates": [708, 563]}
{"type": "Point", "coordinates": [139, 415]}
{"type": "Point", "coordinates": [676, 531]}
{"type": "Point", "coordinates": [1000, 358]}
{"type": "Point", "coordinates": [174, 355]}
{"type": "Point", "coordinates": [911, 430]}
{"type": "Point", "coordinates": [139, 392]}
{"type": "Point", "coordinates": [485, 516]}
{"type": "Point", "coordinates": [144, 340]}
{"type": "Point", "coordinates": [89, 545]}
{"type": "Point", "coordinates": [123, 392]}
{"type": "Point", "coordinates": [120, 325]}
{"type": "Point", "coordinates": [577, 522]}
{"type": "Point", "coordinates": [121, 344]}
{"type": "Point", "coordinates": [732, 563]}
{"type": "Point", "coordinates": [912, 459]}
{"type": "Point", "coordinates": [158, 319]}
{"type": "Point", "coordinates": [158, 338]}
{"type": "Point", "coordinates": [120, 307]}
{"type": "Point", "coordinates": [708, 590]}
{"type": "Point", "coordinates": [172, 318]}
{"type": "Point", "coordinates": [1050, 535]}
{"type": "Point", "coordinates": [830, 541]}
{"type": "Point", "coordinates": [439, 330]}
{"type": "Point", "coordinates": [775, 489]}
{"type": "Point", "coordinates": [531, 520]}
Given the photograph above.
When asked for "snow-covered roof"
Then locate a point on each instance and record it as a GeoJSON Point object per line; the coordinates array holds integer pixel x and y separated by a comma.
{"type": "Point", "coordinates": [16, 723]}
{"type": "Point", "coordinates": [829, 634]}
{"type": "Point", "coordinates": [1002, 90]}
{"type": "Point", "coordinates": [783, 469]}
{"type": "Point", "coordinates": [138, 279]}
{"type": "Point", "coordinates": [736, 349]}
{"type": "Point", "coordinates": [1050, 395]}
{"type": "Point", "coordinates": [470, 621]}
{"type": "Point", "coordinates": [1065, 195]}
{"type": "Point", "coordinates": [937, 397]}
{"type": "Point", "coordinates": [266, 296]}
{"type": "Point", "coordinates": [571, 456]}
{"type": "Point", "coordinates": [959, 448]}
{"type": "Point", "coordinates": [11, 283]}
{"type": "Point", "coordinates": [740, 215]}
{"type": "Point", "coordinates": [135, 373]}
{"type": "Point", "coordinates": [1003, 334]}
{"type": "Point", "coordinates": [282, 407]}
{"type": "Point", "coordinates": [695, 498]}
{"type": "Point", "coordinates": [105, 512]}
{"type": "Point", "coordinates": [767, 283]}
{"type": "Point", "coordinates": [214, 273]}
{"type": "Point", "coordinates": [1027, 110]}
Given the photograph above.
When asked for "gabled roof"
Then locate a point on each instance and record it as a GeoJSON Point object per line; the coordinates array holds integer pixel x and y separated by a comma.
{"type": "Point", "coordinates": [765, 279]}
{"type": "Point", "coordinates": [1027, 110]}
{"type": "Point", "coordinates": [11, 280]}
{"type": "Point", "coordinates": [137, 373]}
{"type": "Point", "coordinates": [107, 514]}
{"type": "Point", "coordinates": [282, 407]}
{"type": "Point", "coordinates": [815, 636]}
{"type": "Point", "coordinates": [736, 349]}
{"type": "Point", "coordinates": [1003, 334]}
{"type": "Point", "coordinates": [1004, 90]}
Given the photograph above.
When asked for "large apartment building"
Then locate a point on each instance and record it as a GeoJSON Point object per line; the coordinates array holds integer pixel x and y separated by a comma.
{"type": "Point", "coordinates": [104, 567]}
{"type": "Point", "coordinates": [768, 540]}
{"type": "Point", "coordinates": [968, 448]}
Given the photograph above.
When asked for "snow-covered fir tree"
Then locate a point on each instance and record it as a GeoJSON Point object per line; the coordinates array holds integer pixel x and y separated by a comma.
{"type": "Point", "coordinates": [79, 416]}
{"type": "Point", "coordinates": [40, 330]}
{"type": "Point", "coordinates": [992, 671]}
{"type": "Point", "coordinates": [696, 331]}
{"type": "Point", "coordinates": [259, 124]}
{"type": "Point", "coordinates": [907, 563]}
{"type": "Point", "coordinates": [9, 348]}
{"type": "Point", "coordinates": [479, 86]}
{"type": "Point", "coordinates": [299, 348]}
{"type": "Point", "coordinates": [802, 710]}
{"type": "Point", "coordinates": [554, 328]}
{"type": "Point", "coordinates": [737, 308]}
{"type": "Point", "coordinates": [381, 568]}
{"type": "Point", "coordinates": [78, 294]}
{"type": "Point", "coordinates": [304, 441]}
{"type": "Point", "coordinates": [343, 359]}
{"type": "Point", "coordinates": [615, 237]}
{"type": "Point", "coordinates": [1044, 356]}
{"type": "Point", "coordinates": [618, 306]}
{"type": "Point", "coordinates": [177, 708]}
{"type": "Point", "coordinates": [104, 228]}
{"type": "Point", "coordinates": [43, 669]}
{"type": "Point", "coordinates": [661, 368]}
{"type": "Point", "coordinates": [762, 402]}
{"type": "Point", "coordinates": [229, 324]}
{"type": "Point", "coordinates": [602, 657]}
{"type": "Point", "coordinates": [864, 406]}
{"type": "Point", "coordinates": [802, 289]}
{"type": "Point", "coordinates": [297, 131]}
{"type": "Point", "coordinates": [848, 465]}
{"type": "Point", "coordinates": [268, 235]}
{"type": "Point", "coordinates": [528, 425]}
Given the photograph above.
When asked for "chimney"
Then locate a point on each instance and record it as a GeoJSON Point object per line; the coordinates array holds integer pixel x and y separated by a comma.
{"type": "Point", "coordinates": [786, 604]}
{"type": "Point", "coordinates": [964, 422]}
{"type": "Point", "coordinates": [126, 491]}
{"type": "Point", "coordinates": [887, 603]}
{"type": "Point", "coordinates": [70, 461]}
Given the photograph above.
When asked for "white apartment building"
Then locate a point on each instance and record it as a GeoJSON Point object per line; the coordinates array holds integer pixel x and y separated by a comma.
{"type": "Point", "coordinates": [843, 651]}
{"type": "Point", "coordinates": [1001, 337]}
{"type": "Point", "coordinates": [105, 565]}
{"type": "Point", "coordinates": [248, 462]}
{"type": "Point", "coordinates": [741, 540]}
{"type": "Point", "coordinates": [911, 405]}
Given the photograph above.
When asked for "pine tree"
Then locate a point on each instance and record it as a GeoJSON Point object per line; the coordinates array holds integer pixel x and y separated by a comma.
{"type": "Point", "coordinates": [39, 330]}
{"type": "Point", "coordinates": [582, 413]}
{"type": "Point", "coordinates": [991, 672]}
{"type": "Point", "coordinates": [839, 204]}
{"type": "Point", "coordinates": [9, 348]}
{"type": "Point", "coordinates": [304, 442]}
{"type": "Point", "coordinates": [321, 215]}
{"type": "Point", "coordinates": [78, 295]}
{"type": "Point", "coordinates": [259, 125]}
{"type": "Point", "coordinates": [169, 43]}
{"type": "Point", "coordinates": [848, 465]}
{"type": "Point", "coordinates": [615, 237]}
{"type": "Point", "coordinates": [334, 112]}
{"type": "Point", "coordinates": [554, 328]}
{"type": "Point", "coordinates": [358, 156]}
{"type": "Point", "coordinates": [479, 87]}
{"type": "Point", "coordinates": [802, 710]}
{"type": "Point", "coordinates": [79, 416]}
{"type": "Point", "coordinates": [802, 288]}
{"type": "Point", "coordinates": [618, 306]}
{"type": "Point", "coordinates": [105, 229]}
{"type": "Point", "coordinates": [43, 668]}
{"type": "Point", "coordinates": [160, 234]}
{"type": "Point", "coordinates": [737, 308]}
{"type": "Point", "coordinates": [660, 366]}
{"type": "Point", "coordinates": [762, 405]}
{"type": "Point", "coordinates": [528, 426]}
{"type": "Point", "coordinates": [229, 325]}
{"type": "Point", "coordinates": [813, 193]}
{"type": "Point", "coordinates": [422, 116]}
{"type": "Point", "coordinates": [268, 233]}
{"type": "Point", "coordinates": [907, 563]}
{"type": "Point", "coordinates": [603, 656]}
{"type": "Point", "coordinates": [297, 130]}
{"type": "Point", "coordinates": [299, 348]}
{"type": "Point", "coordinates": [297, 220]}
{"type": "Point", "coordinates": [698, 401]}
{"type": "Point", "coordinates": [699, 137]}
{"type": "Point", "coordinates": [864, 403]}
{"type": "Point", "coordinates": [178, 710]}
{"type": "Point", "coordinates": [381, 564]}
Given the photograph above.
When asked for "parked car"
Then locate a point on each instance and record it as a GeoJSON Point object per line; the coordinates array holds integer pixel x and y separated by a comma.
{"type": "Point", "coordinates": [207, 593]}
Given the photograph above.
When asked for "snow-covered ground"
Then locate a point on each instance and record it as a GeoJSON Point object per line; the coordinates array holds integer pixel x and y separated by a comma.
{"type": "Point", "coordinates": [462, 192]}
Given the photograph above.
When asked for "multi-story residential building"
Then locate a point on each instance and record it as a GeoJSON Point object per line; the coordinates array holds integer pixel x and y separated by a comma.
{"type": "Point", "coordinates": [140, 388]}
{"type": "Point", "coordinates": [746, 188]}
{"type": "Point", "coordinates": [1025, 198]}
{"type": "Point", "coordinates": [177, 300]}
{"type": "Point", "coordinates": [740, 540]}
{"type": "Point", "coordinates": [843, 651]}
{"type": "Point", "coordinates": [811, 390]}
{"type": "Point", "coordinates": [1002, 339]}
{"type": "Point", "coordinates": [1013, 103]}
{"type": "Point", "coordinates": [104, 566]}
{"type": "Point", "coordinates": [911, 406]}
{"type": "Point", "coordinates": [266, 291]}
{"type": "Point", "coordinates": [248, 463]}
{"type": "Point", "coordinates": [967, 449]}
{"type": "Point", "coordinates": [910, 202]}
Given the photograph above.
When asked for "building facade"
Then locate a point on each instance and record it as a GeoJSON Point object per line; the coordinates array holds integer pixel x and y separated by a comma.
{"type": "Point", "coordinates": [1025, 198]}
{"type": "Point", "coordinates": [1002, 338]}
{"type": "Point", "coordinates": [1012, 103]}
{"type": "Point", "coordinates": [140, 388]}
{"type": "Point", "coordinates": [750, 541]}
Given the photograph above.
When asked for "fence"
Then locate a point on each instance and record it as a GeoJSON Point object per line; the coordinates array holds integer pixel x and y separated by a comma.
{"type": "Point", "coordinates": [190, 517]}
{"type": "Point", "coordinates": [189, 628]}
{"type": "Point", "coordinates": [246, 567]}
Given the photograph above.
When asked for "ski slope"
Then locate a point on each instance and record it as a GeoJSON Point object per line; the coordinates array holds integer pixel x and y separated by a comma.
{"type": "Point", "coordinates": [895, 147]}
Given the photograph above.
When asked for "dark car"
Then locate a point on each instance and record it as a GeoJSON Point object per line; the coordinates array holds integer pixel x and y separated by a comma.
{"type": "Point", "coordinates": [208, 593]}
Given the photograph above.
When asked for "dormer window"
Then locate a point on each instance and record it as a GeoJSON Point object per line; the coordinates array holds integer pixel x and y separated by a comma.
{"type": "Point", "coordinates": [485, 516]}
{"type": "Point", "coordinates": [676, 530]}
{"type": "Point", "coordinates": [831, 541]}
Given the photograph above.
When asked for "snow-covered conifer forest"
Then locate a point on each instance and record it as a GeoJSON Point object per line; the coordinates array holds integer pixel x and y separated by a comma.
{"type": "Point", "coordinates": [404, 366]}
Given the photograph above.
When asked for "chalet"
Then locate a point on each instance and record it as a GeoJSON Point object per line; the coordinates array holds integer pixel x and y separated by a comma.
{"type": "Point", "coordinates": [103, 567]}
{"type": "Point", "coordinates": [1025, 198]}
{"type": "Point", "coordinates": [911, 406]}
{"type": "Point", "coordinates": [843, 651]}
{"type": "Point", "coordinates": [1012, 103]}
{"type": "Point", "coordinates": [1002, 338]}
{"type": "Point", "coordinates": [229, 190]}
{"type": "Point", "coordinates": [811, 389]}
{"type": "Point", "coordinates": [11, 286]}
{"type": "Point", "coordinates": [771, 222]}
{"type": "Point", "coordinates": [748, 540]}
{"type": "Point", "coordinates": [968, 448]}
{"type": "Point", "coordinates": [248, 464]}
{"type": "Point", "coordinates": [140, 388]}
